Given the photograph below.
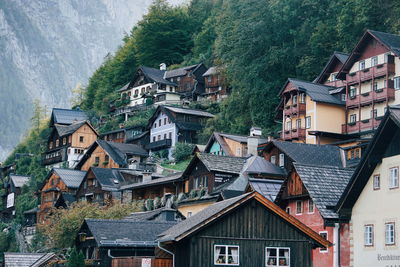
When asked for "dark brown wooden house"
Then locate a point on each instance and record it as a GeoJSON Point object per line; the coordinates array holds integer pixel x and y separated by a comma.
{"type": "Point", "coordinates": [248, 230]}
{"type": "Point", "coordinates": [13, 187]}
{"type": "Point", "coordinates": [216, 87]}
{"type": "Point", "coordinates": [123, 135]}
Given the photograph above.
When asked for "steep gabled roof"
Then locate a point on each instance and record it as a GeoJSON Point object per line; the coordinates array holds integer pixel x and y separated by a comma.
{"type": "Point", "coordinates": [309, 153]}
{"type": "Point", "coordinates": [152, 215]}
{"type": "Point", "coordinates": [155, 181]}
{"type": "Point", "coordinates": [12, 259]}
{"type": "Point", "coordinates": [67, 116]}
{"type": "Point", "coordinates": [266, 187]}
{"type": "Point", "coordinates": [217, 163]}
{"type": "Point", "coordinates": [212, 71]}
{"type": "Point", "coordinates": [258, 165]}
{"type": "Point", "coordinates": [71, 178]}
{"type": "Point", "coordinates": [19, 180]}
{"type": "Point", "coordinates": [109, 179]}
{"type": "Point", "coordinates": [64, 130]}
{"type": "Point", "coordinates": [325, 185]}
{"type": "Point", "coordinates": [180, 71]}
{"type": "Point", "coordinates": [213, 212]}
{"type": "Point", "coordinates": [385, 135]}
{"type": "Point", "coordinates": [126, 233]}
{"type": "Point", "coordinates": [341, 57]}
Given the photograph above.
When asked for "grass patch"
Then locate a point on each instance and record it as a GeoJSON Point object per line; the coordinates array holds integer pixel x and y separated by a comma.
{"type": "Point", "coordinates": [180, 166]}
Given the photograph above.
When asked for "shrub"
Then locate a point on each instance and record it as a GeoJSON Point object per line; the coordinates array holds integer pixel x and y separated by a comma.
{"type": "Point", "coordinates": [182, 151]}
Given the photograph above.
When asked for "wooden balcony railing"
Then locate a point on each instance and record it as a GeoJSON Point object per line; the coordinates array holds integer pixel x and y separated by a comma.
{"type": "Point", "coordinates": [373, 72]}
{"type": "Point", "coordinates": [161, 144]}
{"type": "Point", "coordinates": [296, 109]}
{"type": "Point", "coordinates": [361, 126]}
{"type": "Point", "coordinates": [294, 134]}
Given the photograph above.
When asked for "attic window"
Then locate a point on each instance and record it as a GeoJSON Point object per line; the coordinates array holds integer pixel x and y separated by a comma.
{"type": "Point", "coordinates": [116, 181]}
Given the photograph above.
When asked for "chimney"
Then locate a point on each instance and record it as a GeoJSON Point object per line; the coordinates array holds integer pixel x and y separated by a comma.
{"type": "Point", "coordinates": [163, 66]}
{"type": "Point", "coordinates": [253, 140]}
{"type": "Point", "coordinates": [146, 176]}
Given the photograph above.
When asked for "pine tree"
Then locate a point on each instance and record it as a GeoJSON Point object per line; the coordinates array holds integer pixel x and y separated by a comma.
{"type": "Point", "coordinates": [76, 259]}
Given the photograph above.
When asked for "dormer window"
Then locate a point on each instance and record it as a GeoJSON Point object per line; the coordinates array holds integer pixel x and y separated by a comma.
{"type": "Point", "coordinates": [362, 64]}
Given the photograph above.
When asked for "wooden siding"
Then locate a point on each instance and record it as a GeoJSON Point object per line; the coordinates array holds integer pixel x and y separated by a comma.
{"type": "Point", "coordinates": [295, 186]}
{"type": "Point", "coordinates": [99, 152]}
{"type": "Point", "coordinates": [252, 227]}
{"type": "Point", "coordinates": [94, 188]}
{"type": "Point", "coordinates": [89, 137]}
{"type": "Point", "coordinates": [274, 151]}
{"type": "Point", "coordinates": [234, 146]}
{"type": "Point", "coordinates": [137, 262]}
{"type": "Point", "coordinates": [157, 191]}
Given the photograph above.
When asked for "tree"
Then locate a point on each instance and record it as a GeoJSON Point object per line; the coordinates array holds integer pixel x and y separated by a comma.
{"type": "Point", "coordinates": [182, 151]}
{"type": "Point", "coordinates": [76, 258]}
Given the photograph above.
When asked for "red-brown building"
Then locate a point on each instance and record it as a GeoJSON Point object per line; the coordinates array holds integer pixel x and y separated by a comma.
{"type": "Point", "coordinates": [216, 88]}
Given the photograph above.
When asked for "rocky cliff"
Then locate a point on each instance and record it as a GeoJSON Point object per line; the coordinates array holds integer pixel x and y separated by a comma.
{"type": "Point", "coordinates": [47, 47]}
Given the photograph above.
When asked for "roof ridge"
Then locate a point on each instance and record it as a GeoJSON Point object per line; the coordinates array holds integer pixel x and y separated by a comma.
{"type": "Point", "coordinates": [323, 166]}
{"type": "Point", "coordinates": [128, 221]}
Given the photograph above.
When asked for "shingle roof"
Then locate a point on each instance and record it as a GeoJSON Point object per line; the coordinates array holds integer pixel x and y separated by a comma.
{"type": "Point", "coordinates": [71, 178]}
{"type": "Point", "coordinates": [119, 151]}
{"type": "Point", "coordinates": [68, 116]}
{"type": "Point", "coordinates": [128, 234]}
{"type": "Point", "coordinates": [162, 180]}
{"type": "Point", "coordinates": [266, 187]}
{"type": "Point", "coordinates": [179, 72]}
{"type": "Point", "coordinates": [317, 92]}
{"type": "Point", "coordinates": [341, 56]}
{"type": "Point", "coordinates": [109, 179]}
{"type": "Point", "coordinates": [149, 215]}
{"type": "Point", "coordinates": [156, 75]}
{"type": "Point", "coordinates": [188, 111]}
{"type": "Point", "coordinates": [211, 71]}
{"type": "Point", "coordinates": [222, 163]}
{"type": "Point", "coordinates": [12, 259]}
{"type": "Point", "coordinates": [258, 165]}
{"type": "Point", "coordinates": [392, 41]}
{"type": "Point", "coordinates": [63, 130]}
{"type": "Point", "coordinates": [19, 180]}
{"type": "Point", "coordinates": [311, 154]}
{"type": "Point", "coordinates": [325, 184]}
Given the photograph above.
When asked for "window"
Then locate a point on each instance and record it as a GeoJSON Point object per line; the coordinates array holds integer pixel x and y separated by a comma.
{"type": "Point", "coordinates": [374, 86]}
{"type": "Point", "coordinates": [165, 121]}
{"type": "Point", "coordinates": [51, 145]}
{"type": "Point", "coordinates": [368, 235]}
{"type": "Point", "coordinates": [394, 178]}
{"type": "Point", "coordinates": [64, 141]}
{"type": "Point", "coordinates": [170, 135]}
{"type": "Point", "coordinates": [159, 137]}
{"type": "Point", "coordinates": [374, 61]}
{"type": "Point", "coordinates": [107, 158]}
{"type": "Point", "coordinates": [273, 160]}
{"type": "Point", "coordinates": [396, 81]}
{"type": "Point", "coordinates": [353, 118]}
{"type": "Point", "coordinates": [159, 122]}
{"type": "Point", "coordinates": [155, 125]}
{"type": "Point", "coordinates": [96, 160]}
{"type": "Point", "coordinates": [81, 139]}
{"type": "Point", "coordinates": [57, 143]}
{"type": "Point", "coordinates": [226, 255]}
{"type": "Point", "coordinates": [238, 152]}
{"type": "Point", "coordinates": [288, 210]}
{"type": "Point", "coordinates": [201, 182]}
{"type": "Point", "coordinates": [209, 79]}
{"type": "Point", "coordinates": [324, 235]}
{"type": "Point", "coordinates": [374, 113]}
{"type": "Point", "coordinates": [343, 97]}
{"type": "Point", "coordinates": [299, 207]}
{"type": "Point", "coordinates": [294, 100]}
{"type": "Point", "coordinates": [310, 206]}
{"type": "Point", "coordinates": [333, 77]}
{"type": "Point", "coordinates": [277, 257]}
{"type": "Point", "coordinates": [362, 64]}
{"type": "Point", "coordinates": [358, 153]}
{"type": "Point", "coordinates": [302, 98]}
{"type": "Point", "coordinates": [377, 182]}
{"type": "Point", "coordinates": [352, 92]}
{"type": "Point", "coordinates": [288, 125]}
{"type": "Point", "coordinates": [308, 122]}
{"type": "Point", "coordinates": [154, 138]}
{"type": "Point", "coordinates": [389, 234]}
{"type": "Point", "coordinates": [165, 136]}
{"type": "Point", "coordinates": [281, 160]}
{"type": "Point", "coordinates": [189, 214]}
{"type": "Point", "coordinates": [298, 123]}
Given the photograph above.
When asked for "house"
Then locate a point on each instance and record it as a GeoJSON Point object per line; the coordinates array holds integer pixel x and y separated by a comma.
{"type": "Point", "coordinates": [65, 200]}
{"type": "Point", "coordinates": [215, 85]}
{"type": "Point", "coordinates": [328, 75]}
{"type": "Point", "coordinates": [310, 194]}
{"type": "Point", "coordinates": [234, 145]}
{"type": "Point", "coordinates": [106, 154]}
{"type": "Point", "coordinates": [217, 236]}
{"type": "Point", "coordinates": [189, 79]}
{"type": "Point", "coordinates": [104, 242]}
{"type": "Point", "coordinates": [13, 188]}
{"type": "Point", "coordinates": [370, 199]}
{"type": "Point", "coordinates": [57, 182]}
{"type": "Point", "coordinates": [170, 125]}
{"type": "Point", "coordinates": [157, 215]}
{"type": "Point", "coordinates": [304, 109]}
{"type": "Point", "coordinates": [371, 77]}
{"type": "Point", "coordinates": [12, 259]}
{"type": "Point", "coordinates": [123, 135]}
{"type": "Point", "coordinates": [67, 116]}
{"type": "Point", "coordinates": [67, 143]}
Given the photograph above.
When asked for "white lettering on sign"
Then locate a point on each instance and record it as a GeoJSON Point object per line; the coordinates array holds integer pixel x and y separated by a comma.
{"type": "Point", "coordinates": [146, 262]}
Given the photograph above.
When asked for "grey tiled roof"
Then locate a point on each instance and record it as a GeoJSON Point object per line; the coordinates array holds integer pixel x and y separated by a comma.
{"type": "Point", "coordinates": [198, 218]}
{"type": "Point", "coordinates": [325, 184]}
{"type": "Point", "coordinates": [188, 111]}
{"type": "Point", "coordinates": [12, 259]}
{"type": "Point", "coordinates": [119, 151]}
{"type": "Point", "coordinates": [258, 165]}
{"type": "Point", "coordinates": [19, 180]}
{"type": "Point", "coordinates": [211, 71]}
{"type": "Point", "coordinates": [341, 56]}
{"type": "Point", "coordinates": [156, 75]}
{"type": "Point", "coordinates": [162, 180]}
{"type": "Point", "coordinates": [126, 233]}
{"type": "Point", "coordinates": [266, 187]}
{"type": "Point", "coordinates": [71, 178]}
{"type": "Point", "coordinates": [68, 116]}
{"type": "Point", "coordinates": [317, 92]}
{"type": "Point", "coordinates": [109, 179]}
{"type": "Point", "coordinates": [311, 154]}
{"type": "Point", "coordinates": [179, 72]}
{"type": "Point", "coordinates": [222, 163]}
{"type": "Point", "coordinates": [392, 41]}
{"type": "Point", "coordinates": [63, 130]}
{"type": "Point", "coordinates": [148, 215]}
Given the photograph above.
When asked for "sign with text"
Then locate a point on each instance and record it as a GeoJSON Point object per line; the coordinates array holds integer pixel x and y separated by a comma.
{"type": "Point", "coordinates": [146, 262]}
{"type": "Point", "coordinates": [10, 200]}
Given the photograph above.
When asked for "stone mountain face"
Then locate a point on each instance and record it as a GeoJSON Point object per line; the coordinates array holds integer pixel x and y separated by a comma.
{"type": "Point", "coordinates": [47, 47]}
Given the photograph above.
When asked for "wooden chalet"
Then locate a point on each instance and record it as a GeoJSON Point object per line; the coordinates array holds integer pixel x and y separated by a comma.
{"type": "Point", "coordinates": [67, 116]}
{"type": "Point", "coordinates": [57, 182]}
{"type": "Point", "coordinates": [109, 243]}
{"type": "Point", "coordinates": [328, 75]}
{"type": "Point", "coordinates": [68, 142]}
{"type": "Point", "coordinates": [370, 199]}
{"type": "Point", "coordinates": [123, 135]}
{"type": "Point", "coordinates": [234, 145]}
{"type": "Point", "coordinates": [217, 236]}
{"type": "Point", "coordinates": [170, 125]}
{"type": "Point", "coordinates": [13, 188]}
{"type": "Point", "coordinates": [310, 194]}
{"type": "Point", "coordinates": [106, 154]}
{"type": "Point", "coordinates": [189, 79]}
{"type": "Point", "coordinates": [30, 259]}
{"type": "Point", "coordinates": [216, 88]}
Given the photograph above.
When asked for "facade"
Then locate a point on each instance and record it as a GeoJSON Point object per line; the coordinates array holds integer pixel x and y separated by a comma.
{"type": "Point", "coordinates": [215, 85]}
{"type": "Point", "coordinates": [57, 182]}
{"type": "Point", "coordinates": [170, 125]}
{"type": "Point", "coordinates": [13, 187]}
{"type": "Point", "coordinates": [328, 75]}
{"type": "Point", "coordinates": [123, 135]}
{"type": "Point", "coordinates": [371, 196]}
{"type": "Point", "coordinates": [67, 144]}
{"type": "Point", "coordinates": [217, 236]}
{"type": "Point", "coordinates": [105, 154]}
{"type": "Point", "coordinates": [309, 194]}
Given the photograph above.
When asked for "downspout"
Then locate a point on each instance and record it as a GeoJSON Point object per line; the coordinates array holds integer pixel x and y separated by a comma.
{"type": "Point", "coordinates": [338, 238]}
{"type": "Point", "coordinates": [109, 254]}
{"type": "Point", "coordinates": [336, 245]}
{"type": "Point", "coordinates": [169, 252]}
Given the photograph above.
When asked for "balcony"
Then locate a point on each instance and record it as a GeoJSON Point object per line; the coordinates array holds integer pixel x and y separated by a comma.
{"type": "Point", "coordinates": [368, 74]}
{"type": "Point", "coordinates": [53, 157]}
{"type": "Point", "coordinates": [296, 109]}
{"type": "Point", "coordinates": [353, 101]}
{"type": "Point", "coordinates": [158, 145]}
{"type": "Point", "coordinates": [366, 98]}
{"type": "Point", "coordinates": [294, 134]}
{"type": "Point", "coordinates": [384, 94]}
{"type": "Point", "coordinates": [361, 126]}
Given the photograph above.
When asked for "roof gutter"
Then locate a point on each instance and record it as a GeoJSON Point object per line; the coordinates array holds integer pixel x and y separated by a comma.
{"type": "Point", "coordinates": [169, 252]}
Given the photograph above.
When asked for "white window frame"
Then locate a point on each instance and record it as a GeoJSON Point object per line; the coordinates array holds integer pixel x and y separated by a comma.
{"type": "Point", "coordinates": [361, 65]}
{"type": "Point", "coordinates": [353, 118]}
{"type": "Point", "coordinates": [369, 235]}
{"type": "Point", "coordinates": [352, 92]}
{"type": "Point", "coordinates": [273, 159]}
{"type": "Point", "coordinates": [226, 254]}
{"type": "Point", "coordinates": [396, 82]}
{"type": "Point", "coordinates": [289, 125]}
{"type": "Point", "coordinates": [394, 180]}
{"type": "Point", "coordinates": [323, 250]}
{"type": "Point", "coordinates": [390, 228]}
{"type": "Point", "coordinates": [374, 61]}
{"type": "Point", "coordinates": [281, 160]}
{"type": "Point", "coordinates": [376, 182]}
{"type": "Point", "coordinates": [308, 122]}
{"type": "Point", "coordinates": [344, 97]}
{"type": "Point", "coordinates": [298, 124]}
{"type": "Point", "coordinates": [312, 205]}
{"type": "Point", "coordinates": [277, 256]}
{"type": "Point", "coordinates": [301, 207]}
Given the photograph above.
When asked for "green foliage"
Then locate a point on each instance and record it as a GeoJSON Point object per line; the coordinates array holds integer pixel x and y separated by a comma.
{"type": "Point", "coordinates": [76, 258]}
{"type": "Point", "coordinates": [182, 151]}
